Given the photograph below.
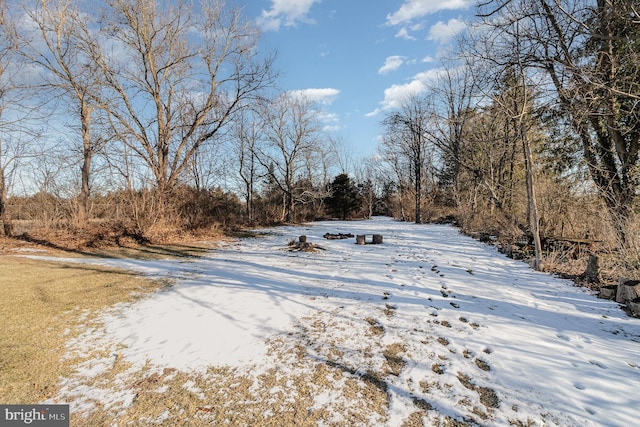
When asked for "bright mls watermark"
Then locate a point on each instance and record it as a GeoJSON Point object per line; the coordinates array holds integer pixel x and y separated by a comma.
{"type": "Point", "coordinates": [34, 415]}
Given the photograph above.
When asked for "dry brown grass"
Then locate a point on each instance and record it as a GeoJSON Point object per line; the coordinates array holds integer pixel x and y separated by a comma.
{"type": "Point", "coordinates": [45, 304]}
{"type": "Point", "coordinates": [42, 304]}
{"type": "Point", "coordinates": [105, 238]}
{"type": "Point", "coordinates": [276, 396]}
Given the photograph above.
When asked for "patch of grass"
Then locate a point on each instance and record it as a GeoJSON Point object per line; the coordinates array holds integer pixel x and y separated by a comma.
{"type": "Point", "coordinates": [465, 380]}
{"type": "Point", "coordinates": [393, 355]}
{"type": "Point", "coordinates": [482, 365]}
{"type": "Point", "coordinates": [414, 419]}
{"type": "Point", "coordinates": [479, 412]}
{"type": "Point", "coordinates": [443, 341]}
{"type": "Point", "coordinates": [42, 305]}
{"type": "Point", "coordinates": [376, 328]}
{"type": "Point", "coordinates": [519, 423]}
{"type": "Point", "coordinates": [452, 422]}
{"type": "Point", "coordinates": [422, 404]}
{"type": "Point", "coordinates": [389, 310]}
{"type": "Point", "coordinates": [154, 252]}
{"type": "Point", "coordinates": [488, 396]}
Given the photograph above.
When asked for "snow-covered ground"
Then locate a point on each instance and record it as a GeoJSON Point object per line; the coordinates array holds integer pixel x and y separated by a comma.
{"type": "Point", "coordinates": [453, 328]}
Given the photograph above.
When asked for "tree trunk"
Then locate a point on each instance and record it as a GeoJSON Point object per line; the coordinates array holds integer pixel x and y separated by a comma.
{"type": "Point", "coordinates": [592, 272]}
{"type": "Point", "coordinates": [628, 290]}
{"type": "Point", "coordinates": [534, 219]}
{"type": "Point", "coordinates": [608, 292]}
{"type": "Point", "coordinates": [6, 225]}
{"type": "Point", "coordinates": [418, 189]}
{"type": "Point", "coordinates": [289, 207]}
{"type": "Point", "coordinates": [85, 172]}
{"type": "Point", "coordinates": [83, 200]}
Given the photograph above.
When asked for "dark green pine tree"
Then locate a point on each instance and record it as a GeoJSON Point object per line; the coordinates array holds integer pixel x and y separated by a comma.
{"type": "Point", "coordinates": [344, 199]}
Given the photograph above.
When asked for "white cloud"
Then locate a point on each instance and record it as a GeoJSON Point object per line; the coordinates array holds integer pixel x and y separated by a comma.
{"type": "Point", "coordinates": [330, 121]}
{"type": "Point", "coordinates": [392, 63]}
{"type": "Point", "coordinates": [374, 112]}
{"type": "Point", "coordinates": [412, 10]}
{"type": "Point", "coordinates": [442, 32]}
{"type": "Point", "coordinates": [324, 96]}
{"type": "Point", "coordinates": [289, 12]}
{"type": "Point", "coordinates": [395, 95]}
{"type": "Point", "coordinates": [403, 33]}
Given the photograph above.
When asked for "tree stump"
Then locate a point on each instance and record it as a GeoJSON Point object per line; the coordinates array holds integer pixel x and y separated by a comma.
{"type": "Point", "coordinates": [628, 290]}
{"type": "Point", "coordinates": [361, 239]}
{"type": "Point", "coordinates": [634, 307]}
{"type": "Point", "coordinates": [592, 273]}
{"type": "Point", "coordinates": [377, 239]}
{"type": "Point", "coordinates": [607, 292]}
{"type": "Point", "coordinates": [302, 239]}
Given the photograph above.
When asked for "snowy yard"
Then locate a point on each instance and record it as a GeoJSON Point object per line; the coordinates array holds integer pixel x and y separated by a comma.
{"type": "Point", "coordinates": [429, 327]}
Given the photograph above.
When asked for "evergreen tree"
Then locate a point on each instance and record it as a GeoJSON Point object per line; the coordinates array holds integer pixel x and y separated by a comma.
{"type": "Point", "coordinates": [344, 199]}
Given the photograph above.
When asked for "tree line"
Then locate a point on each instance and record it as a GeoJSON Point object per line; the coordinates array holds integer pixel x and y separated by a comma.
{"type": "Point", "coordinates": [161, 113]}
{"type": "Point", "coordinates": [535, 115]}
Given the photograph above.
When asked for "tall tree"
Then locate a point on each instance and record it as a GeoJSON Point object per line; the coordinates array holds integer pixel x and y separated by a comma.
{"type": "Point", "coordinates": [10, 103]}
{"type": "Point", "coordinates": [396, 180]}
{"type": "Point", "coordinates": [247, 131]}
{"type": "Point", "coordinates": [176, 74]}
{"type": "Point", "coordinates": [515, 99]}
{"type": "Point", "coordinates": [344, 198]}
{"type": "Point", "coordinates": [290, 132]}
{"type": "Point", "coordinates": [450, 105]}
{"type": "Point", "coordinates": [408, 133]}
{"type": "Point", "coordinates": [61, 47]}
{"type": "Point", "coordinates": [7, 50]}
{"type": "Point", "coordinates": [589, 51]}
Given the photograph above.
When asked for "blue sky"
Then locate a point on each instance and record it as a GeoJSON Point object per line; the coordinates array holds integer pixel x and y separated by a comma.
{"type": "Point", "coordinates": [357, 58]}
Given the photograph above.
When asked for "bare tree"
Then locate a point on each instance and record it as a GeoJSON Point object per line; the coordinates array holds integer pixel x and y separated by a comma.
{"type": "Point", "coordinates": [509, 87]}
{"type": "Point", "coordinates": [176, 74]}
{"type": "Point", "coordinates": [247, 136]}
{"type": "Point", "coordinates": [291, 133]}
{"type": "Point", "coordinates": [397, 178]}
{"type": "Point", "coordinates": [7, 50]}
{"type": "Point", "coordinates": [61, 47]}
{"type": "Point", "coordinates": [516, 101]}
{"type": "Point", "coordinates": [12, 147]}
{"type": "Point", "coordinates": [369, 178]}
{"type": "Point", "coordinates": [589, 51]}
{"type": "Point", "coordinates": [451, 107]}
{"type": "Point", "coordinates": [408, 133]}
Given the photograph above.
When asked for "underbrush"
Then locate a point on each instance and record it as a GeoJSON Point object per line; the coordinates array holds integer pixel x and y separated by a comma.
{"type": "Point", "coordinates": [568, 241]}
{"type": "Point", "coordinates": [98, 237]}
